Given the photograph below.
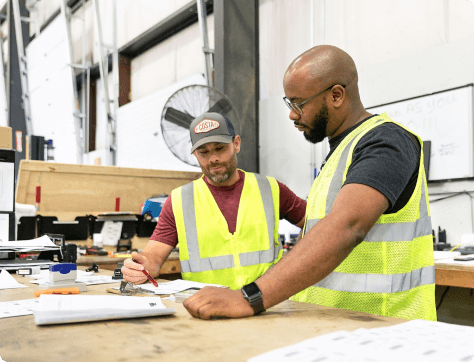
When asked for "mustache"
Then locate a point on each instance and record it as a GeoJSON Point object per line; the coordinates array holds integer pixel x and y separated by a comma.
{"type": "Point", "coordinates": [216, 165]}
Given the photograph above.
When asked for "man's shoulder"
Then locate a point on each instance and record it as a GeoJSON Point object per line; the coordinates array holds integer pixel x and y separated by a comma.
{"type": "Point", "coordinates": [390, 133]}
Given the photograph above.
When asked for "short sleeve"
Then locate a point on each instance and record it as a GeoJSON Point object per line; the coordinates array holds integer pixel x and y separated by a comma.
{"type": "Point", "coordinates": [386, 159]}
{"type": "Point", "coordinates": [292, 208]}
{"type": "Point", "coordinates": [165, 230]}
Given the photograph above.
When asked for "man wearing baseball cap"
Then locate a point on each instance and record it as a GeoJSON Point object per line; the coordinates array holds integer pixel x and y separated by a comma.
{"type": "Point", "coordinates": [226, 222]}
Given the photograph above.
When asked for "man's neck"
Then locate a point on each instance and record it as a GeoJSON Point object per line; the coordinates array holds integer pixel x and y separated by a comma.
{"type": "Point", "coordinates": [353, 119]}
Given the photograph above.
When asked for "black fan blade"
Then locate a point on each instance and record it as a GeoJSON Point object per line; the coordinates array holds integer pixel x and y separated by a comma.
{"type": "Point", "coordinates": [178, 118]}
{"type": "Point", "coordinates": [222, 106]}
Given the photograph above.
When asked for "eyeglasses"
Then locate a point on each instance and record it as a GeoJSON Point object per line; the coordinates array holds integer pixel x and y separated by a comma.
{"type": "Point", "coordinates": [297, 107]}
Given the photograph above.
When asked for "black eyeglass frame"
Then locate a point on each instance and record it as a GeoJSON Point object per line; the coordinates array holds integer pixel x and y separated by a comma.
{"type": "Point", "coordinates": [297, 107]}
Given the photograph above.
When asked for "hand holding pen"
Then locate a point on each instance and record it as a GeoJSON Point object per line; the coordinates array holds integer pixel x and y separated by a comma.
{"type": "Point", "coordinates": [150, 278]}
{"type": "Point", "coordinates": [134, 273]}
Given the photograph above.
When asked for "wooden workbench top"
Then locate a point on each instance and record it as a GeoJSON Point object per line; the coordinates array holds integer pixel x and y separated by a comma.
{"type": "Point", "coordinates": [171, 338]}
{"type": "Point", "coordinates": [454, 275]}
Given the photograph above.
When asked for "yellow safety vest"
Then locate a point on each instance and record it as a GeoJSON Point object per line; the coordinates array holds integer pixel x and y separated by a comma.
{"type": "Point", "coordinates": [391, 272]}
{"type": "Point", "coordinates": [208, 252]}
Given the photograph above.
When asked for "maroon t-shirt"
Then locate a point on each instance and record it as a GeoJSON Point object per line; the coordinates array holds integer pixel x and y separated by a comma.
{"type": "Point", "coordinates": [292, 208]}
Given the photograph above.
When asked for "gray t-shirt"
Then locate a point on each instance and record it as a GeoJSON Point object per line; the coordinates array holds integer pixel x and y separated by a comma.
{"type": "Point", "coordinates": [387, 159]}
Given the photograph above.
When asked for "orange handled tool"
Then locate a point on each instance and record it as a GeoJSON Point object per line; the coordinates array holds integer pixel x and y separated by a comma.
{"type": "Point", "coordinates": [73, 290]}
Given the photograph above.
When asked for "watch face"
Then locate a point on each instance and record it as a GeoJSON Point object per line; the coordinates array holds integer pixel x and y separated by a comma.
{"type": "Point", "coordinates": [251, 289]}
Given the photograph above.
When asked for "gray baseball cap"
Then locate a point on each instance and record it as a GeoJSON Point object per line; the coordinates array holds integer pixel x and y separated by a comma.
{"type": "Point", "coordinates": [211, 127]}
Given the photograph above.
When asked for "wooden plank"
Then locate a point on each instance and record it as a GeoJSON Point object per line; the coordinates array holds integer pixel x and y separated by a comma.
{"type": "Point", "coordinates": [82, 189]}
{"type": "Point", "coordinates": [42, 166]}
{"type": "Point", "coordinates": [455, 277]}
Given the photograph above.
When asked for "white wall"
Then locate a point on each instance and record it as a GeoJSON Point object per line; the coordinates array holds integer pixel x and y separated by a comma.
{"type": "Point", "coordinates": [140, 139]}
{"type": "Point", "coordinates": [171, 61]}
{"type": "Point", "coordinates": [134, 17]}
{"type": "Point", "coordinates": [51, 91]}
{"type": "Point", "coordinates": [402, 49]}
{"type": "Point", "coordinates": [165, 65]}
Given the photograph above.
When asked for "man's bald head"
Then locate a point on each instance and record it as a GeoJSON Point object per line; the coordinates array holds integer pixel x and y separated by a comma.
{"type": "Point", "coordinates": [323, 80]}
{"type": "Point", "coordinates": [323, 65]}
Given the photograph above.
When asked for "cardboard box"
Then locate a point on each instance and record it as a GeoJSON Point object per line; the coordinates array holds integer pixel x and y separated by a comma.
{"type": "Point", "coordinates": [6, 137]}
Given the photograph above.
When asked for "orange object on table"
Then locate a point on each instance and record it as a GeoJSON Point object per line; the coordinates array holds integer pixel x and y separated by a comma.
{"type": "Point", "coordinates": [73, 290]}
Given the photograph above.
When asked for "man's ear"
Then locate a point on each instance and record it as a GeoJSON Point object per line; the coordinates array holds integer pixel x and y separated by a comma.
{"type": "Point", "coordinates": [237, 142]}
{"type": "Point", "coordinates": [338, 95]}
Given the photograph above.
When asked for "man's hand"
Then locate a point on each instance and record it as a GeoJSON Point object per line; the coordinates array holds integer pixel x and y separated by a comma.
{"type": "Point", "coordinates": [213, 301]}
{"type": "Point", "coordinates": [132, 272]}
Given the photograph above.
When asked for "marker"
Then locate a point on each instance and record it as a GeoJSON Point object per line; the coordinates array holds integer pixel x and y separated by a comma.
{"type": "Point", "coordinates": [150, 278]}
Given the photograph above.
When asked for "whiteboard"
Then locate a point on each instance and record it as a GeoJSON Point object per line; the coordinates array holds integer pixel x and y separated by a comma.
{"type": "Point", "coordinates": [445, 119]}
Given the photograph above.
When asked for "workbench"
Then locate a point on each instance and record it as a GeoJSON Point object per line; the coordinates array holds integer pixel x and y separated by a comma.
{"type": "Point", "coordinates": [454, 275]}
{"type": "Point", "coordinates": [454, 293]}
{"type": "Point", "coordinates": [179, 337]}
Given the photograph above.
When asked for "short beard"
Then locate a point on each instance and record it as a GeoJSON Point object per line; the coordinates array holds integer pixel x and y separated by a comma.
{"type": "Point", "coordinates": [219, 178]}
{"type": "Point", "coordinates": [230, 169]}
{"type": "Point", "coordinates": [320, 122]}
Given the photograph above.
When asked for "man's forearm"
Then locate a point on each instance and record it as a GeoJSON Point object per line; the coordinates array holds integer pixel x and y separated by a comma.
{"type": "Point", "coordinates": [315, 256]}
{"type": "Point", "coordinates": [156, 252]}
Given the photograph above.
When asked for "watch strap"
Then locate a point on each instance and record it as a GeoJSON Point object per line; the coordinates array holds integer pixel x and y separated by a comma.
{"type": "Point", "coordinates": [253, 295]}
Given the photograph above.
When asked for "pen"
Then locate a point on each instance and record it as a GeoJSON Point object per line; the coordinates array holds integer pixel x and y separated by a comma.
{"type": "Point", "coordinates": [150, 278]}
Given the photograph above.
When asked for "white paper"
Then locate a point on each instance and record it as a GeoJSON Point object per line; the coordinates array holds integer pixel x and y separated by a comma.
{"type": "Point", "coordinates": [111, 232]}
{"type": "Point", "coordinates": [17, 308]}
{"type": "Point", "coordinates": [57, 309]}
{"type": "Point", "coordinates": [8, 282]}
{"type": "Point", "coordinates": [440, 255]}
{"type": "Point", "coordinates": [175, 286]}
{"type": "Point", "coordinates": [456, 262]}
{"type": "Point", "coordinates": [18, 264]}
{"type": "Point", "coordinates": [41, 243]}
{"type": "Point", "coordinates": [421, 341]}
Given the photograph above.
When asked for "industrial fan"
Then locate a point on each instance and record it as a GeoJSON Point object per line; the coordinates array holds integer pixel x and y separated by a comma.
{"type": "Point", "coordinates": [182, 107]}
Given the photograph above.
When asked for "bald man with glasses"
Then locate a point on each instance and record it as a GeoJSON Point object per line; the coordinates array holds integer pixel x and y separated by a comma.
{"type": "Point", "coordinates": [367, 242]}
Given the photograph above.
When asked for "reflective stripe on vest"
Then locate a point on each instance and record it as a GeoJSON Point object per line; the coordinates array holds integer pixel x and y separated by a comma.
{"type": "Point", "coordinates": [378, 283]}
{"type": "Point", "coordinates": [196, 264]}
{"type": "Point", "coordinates": [397, 231]}
{"type": "Point", "coordinates": [386, 232]}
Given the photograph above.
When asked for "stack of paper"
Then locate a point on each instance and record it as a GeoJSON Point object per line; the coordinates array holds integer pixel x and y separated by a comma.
{"type": "Point", "coordinates": [40, 244]}
{"type": "Point", "coordinates": [440, 255]}
{"type": "Point", "coordinates": [418, 340]}
{"type": "Point", "coordinates": [456, 262]}
{"type": "Point", "coordinates": [59, 309]}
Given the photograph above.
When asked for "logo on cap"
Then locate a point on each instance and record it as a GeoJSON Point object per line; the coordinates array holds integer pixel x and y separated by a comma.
{"type": "Point", "coordinates": [206, 125]}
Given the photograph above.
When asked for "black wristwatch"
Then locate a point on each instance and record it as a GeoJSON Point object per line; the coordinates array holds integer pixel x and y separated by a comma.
{"type": "Point", "coordinates": [253, 295]}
